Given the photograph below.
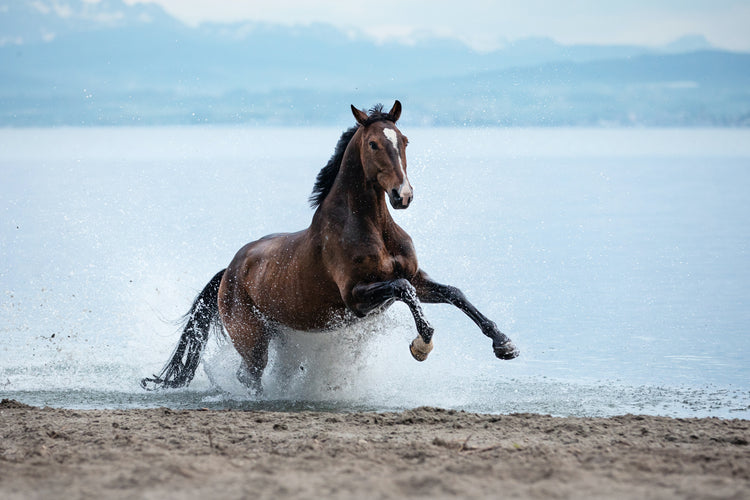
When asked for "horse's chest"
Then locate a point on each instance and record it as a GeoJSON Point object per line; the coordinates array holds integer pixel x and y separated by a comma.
{"type": "Point", "coordinates": [381, 262]}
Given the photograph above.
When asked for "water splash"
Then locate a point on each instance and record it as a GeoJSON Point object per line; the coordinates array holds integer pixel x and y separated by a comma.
{"type": "Point", "coordinates": [338, 365]}
{"type": "Point", "coordinates": [590, 262]}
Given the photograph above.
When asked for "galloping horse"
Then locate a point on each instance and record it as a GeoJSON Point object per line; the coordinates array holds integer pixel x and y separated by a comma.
{"type": "Point", "coordinates": [352, 261]}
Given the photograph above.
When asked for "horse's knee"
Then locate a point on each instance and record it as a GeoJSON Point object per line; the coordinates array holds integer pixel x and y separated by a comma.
{"type": "Point", "coordinates": [404, 290]}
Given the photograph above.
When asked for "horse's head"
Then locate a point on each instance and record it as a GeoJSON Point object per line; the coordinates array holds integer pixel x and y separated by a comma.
{"type": "Point", "coordinates": [383, 153]}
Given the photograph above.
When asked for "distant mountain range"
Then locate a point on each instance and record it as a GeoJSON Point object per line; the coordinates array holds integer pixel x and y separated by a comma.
{"type": "Point", "coordinates": [109, 63]}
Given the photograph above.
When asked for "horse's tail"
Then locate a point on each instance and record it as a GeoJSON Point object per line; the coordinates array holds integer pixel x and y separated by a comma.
{"type": "Point", "coordinates": [202, 317]}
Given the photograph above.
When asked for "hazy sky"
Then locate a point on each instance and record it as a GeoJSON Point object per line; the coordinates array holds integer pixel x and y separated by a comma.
{"type": "Point", "coordinates": [486, 24]}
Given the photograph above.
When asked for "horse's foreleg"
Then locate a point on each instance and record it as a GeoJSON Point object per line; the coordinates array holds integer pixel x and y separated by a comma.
{"type": "Point", "coordinates": [370, 296]}
{"type": "Point", "coordinates": [431, 292]}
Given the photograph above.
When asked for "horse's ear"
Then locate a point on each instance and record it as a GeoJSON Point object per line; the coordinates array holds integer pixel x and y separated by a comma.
{"type": "Point", "coordinates": [395, 112]}
{"type": "Point", "coordinates": [359, 115]}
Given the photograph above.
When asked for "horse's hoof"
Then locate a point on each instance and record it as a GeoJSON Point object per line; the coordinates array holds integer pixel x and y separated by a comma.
{"type": "Point", "coordinates": [419, 349]}
{"type": "Point", "coordinates": [506, 350]}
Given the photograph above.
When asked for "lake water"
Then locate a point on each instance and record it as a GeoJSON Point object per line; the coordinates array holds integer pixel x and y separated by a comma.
{"type": "Point", "coordinates": [617, 260]}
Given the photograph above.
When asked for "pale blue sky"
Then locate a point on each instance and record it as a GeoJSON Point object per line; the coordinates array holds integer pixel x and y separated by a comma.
{"type": "Point", "coordinates": [486, 24]}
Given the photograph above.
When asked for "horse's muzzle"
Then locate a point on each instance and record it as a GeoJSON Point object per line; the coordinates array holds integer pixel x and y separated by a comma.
{"type": "Point", "coordinates": [400, 202]}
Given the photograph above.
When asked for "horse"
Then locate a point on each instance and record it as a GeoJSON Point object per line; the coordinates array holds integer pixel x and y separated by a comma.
{"type": "Point", "coordinates": [352, 261]}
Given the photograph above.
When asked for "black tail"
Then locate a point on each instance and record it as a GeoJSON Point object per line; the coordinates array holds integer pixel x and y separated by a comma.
{"type": "Point", "coordinates": [204, 315]}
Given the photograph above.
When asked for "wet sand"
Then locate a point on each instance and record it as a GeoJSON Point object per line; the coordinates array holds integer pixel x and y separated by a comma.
{"type": "Point", "coordinates": [426, 452]}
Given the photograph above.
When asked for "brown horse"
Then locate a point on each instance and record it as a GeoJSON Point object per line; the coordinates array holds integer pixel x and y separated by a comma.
{"type": "Point", "coordinates": [352, 261]}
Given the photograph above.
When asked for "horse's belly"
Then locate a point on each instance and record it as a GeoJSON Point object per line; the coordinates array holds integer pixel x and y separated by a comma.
{"type": "Point", "coordinates": [306, 304]}
{"type": "Point", "coordinates": [331, 319]}
{"type": "Point", "coordinates": [305, 316]}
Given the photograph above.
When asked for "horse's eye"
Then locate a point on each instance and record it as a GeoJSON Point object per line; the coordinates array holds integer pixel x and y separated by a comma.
{"type": "Point", "coordinates": [373, 146]}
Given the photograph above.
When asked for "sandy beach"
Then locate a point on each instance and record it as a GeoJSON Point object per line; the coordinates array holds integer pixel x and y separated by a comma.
{"type": "Point", "coordinates": [425, 452]}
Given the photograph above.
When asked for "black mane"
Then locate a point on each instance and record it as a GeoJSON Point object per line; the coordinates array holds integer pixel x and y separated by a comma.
{"type": "Point", "coordinates": [324, 181]}
{"type": "Point", "coordinates": [326, 176]}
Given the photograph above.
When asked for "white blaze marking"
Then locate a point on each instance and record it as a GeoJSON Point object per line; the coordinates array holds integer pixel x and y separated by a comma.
{"type": "Point", "coordinates": [391, 135]}
{"type": "Point", "coordinates": [404, 189]}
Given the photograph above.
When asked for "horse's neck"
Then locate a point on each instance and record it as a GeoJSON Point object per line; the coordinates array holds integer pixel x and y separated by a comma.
{"type": "Point", "coordinates": [352, 191]}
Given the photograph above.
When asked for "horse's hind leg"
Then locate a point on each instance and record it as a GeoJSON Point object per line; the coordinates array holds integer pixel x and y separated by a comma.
{"type": "Point", "coordinates": [250, 335]}
{"type": "Point", "coordinates": [254, 356]}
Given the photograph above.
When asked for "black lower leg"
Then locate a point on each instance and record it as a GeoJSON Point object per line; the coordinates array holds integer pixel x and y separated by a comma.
{"type": "Point", "coordinates": [432, 292]}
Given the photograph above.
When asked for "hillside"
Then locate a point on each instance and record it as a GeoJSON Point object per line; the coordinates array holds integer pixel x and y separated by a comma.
{"type": "Point", "coordinates": [113, 64]}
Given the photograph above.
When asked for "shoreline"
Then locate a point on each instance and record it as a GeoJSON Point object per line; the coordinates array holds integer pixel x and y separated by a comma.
{"type": "Point", "coordinates": [424, 452]}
